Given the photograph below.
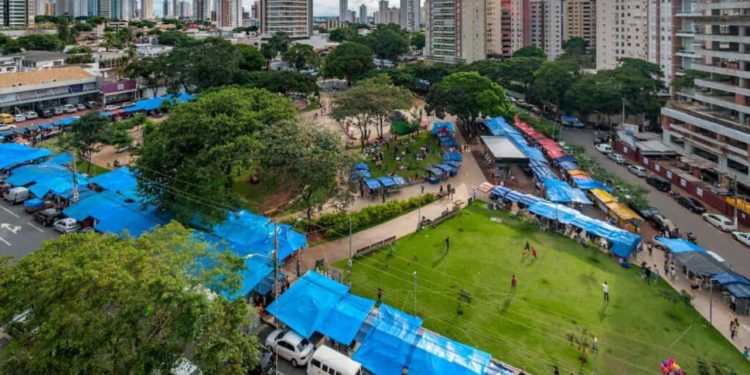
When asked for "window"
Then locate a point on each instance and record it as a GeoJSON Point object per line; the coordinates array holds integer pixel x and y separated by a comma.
{"type": "Point", "coordinates": [315, 362]}
{"type": "Point", "coordinates": [286, 345]}
{"type": "Point", "coordinates": [324, 368]}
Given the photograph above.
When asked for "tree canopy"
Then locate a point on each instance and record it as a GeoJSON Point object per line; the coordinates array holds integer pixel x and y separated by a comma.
{"type": "Point", "coordinates": [530, 51]}
{"type": "Point", "coordinates": [251, 59]}
{"type": "Point", "coordinates": [98, 304]}
{"type": "Point", "coordinates": [348, 61]}
{"type": "Point", "coordinates": [193, 157]}
{"type": "Point", "coordinates": [552, 80]}
{"type": "Point", "coordinates": [417, 40]}
{"type": "Point", "coordinates": [90, 132]}
{"type": "Point", "coordinates": [38, 42]}
{"type": "Point", "coordinates": [520, 70]}
{"type": "Point", "coordinates": [281, 82]}
{"type": "Point", "coordinates": [388, 42]}
{"type": "Point", "coordinates": [174, 38]}
{"type": "Point", "coordinates": [301, 56]}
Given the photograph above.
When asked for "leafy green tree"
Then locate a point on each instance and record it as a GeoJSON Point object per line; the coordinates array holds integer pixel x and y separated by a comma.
{"type": "Point", "coordinates": [641, 84]}
{"type": "Point", "coordinates": [269, 53]}
{"type": "Point", "coordinates": [313, 156]}
{"type": "Point", "coordinates": [577, 51]}
{"type": "Point", "coordinates": [38, 42]}
{"type": "Point", "coordinates": [469, 96]}
{"type": "Point", "coordinates": [195, 155]}
{"type": "Point", "coordinates": [417, 40]}
{"type": "Point", "coordinates": [152, 70]}
{"type": "Point", "coordinates": [520, 70]}
{"type": "Point", "coordinates": [280, 41]}
{"type": "Point", "coordinates": [281, 82]}
{"type": "Point", "coordinates": [594, 94]}
{"type": "Point", "coordinates": [489, 68]}
{"type": "Point", "coordinates": [11, 47]}
{"type": "Point", "coordinates": [349, 61]}
{"type": "Point", "coordinates": [98, 304]}
{"type": "Point", "coordinates": [553, 79]}
{"type": "Point", "coordinates": [388, 42]}
{"type": "Point", "coordinates": [214, 62]}
{"type": "Point", "coordinates": [88, 134]}
{"type": "Point", "coordinates": [687, 80]}
{"type": "Point", "coordinates": [251, 58]}
{"type": "Point", "coordinates": [174, 38]}
{"type": "Point", "coordinates": [301, 56]}
{"type": "Point", "coordinates": [530, 51]}
{"type": "Point", "coordinates": [342, 34]}
{"type": "Point", "coordinates": [111, 40]}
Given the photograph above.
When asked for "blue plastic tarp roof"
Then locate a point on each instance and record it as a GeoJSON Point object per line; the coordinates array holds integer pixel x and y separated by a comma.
{"type": "Point", "coordinates": [568, 158]}
{"type": "Point", "coordinates": [145, 105]}
{"type": "Point", "coordinates": [568, 165]}
{"type": "Point", "coordinates": [257, 269]}
{"type": "Point", "coordinates": [307, 303]}
{"type": "Point", "coordinates": [435, 170]}
{"type": "Point", "coordinates": [47, 177]}
{"type": "Point", "coordinates": [181, 97]}
{"type": "Point", "coordinates": [445, 168]}
{"type": "Point", "coordinates": [559, 191]}
{"type": "Point", "coordinates": [730, 278]}
{"type": "Point", "coordinates": [67, 121]}
{"type": "Point", "coordinates": [387, 181]}
{"type": "Point", "coordinates": [541, 170]}
{"type": "Point", "coordinates": [114, 215]}
{"type": "Point", "coordinates": [12, 154]}
{"type": "Point", "coordinates": [400, 181]}
{"type": "Point", "coordinates": [680, 245]}
{"type": "Point", "coordinates": [361, 167]}
{"type": "Point", "coordinates": [388, 345]}
{"type": "Point", "coordinates": [447, 141]}
{"type": "Point", "coordinates": [372, 183]}
{"type": "Point", "coordinates": [554, 211]}
{"type": "Point", "coordinates": [438, 126]}
{"type": "Point", "coordinates": [452, 156]}
{"type": "Point", "coordinates": [738, 290]}
{"type": "Point", "coordinates": [587, 183]}
{"type": "Point", "coordinates": [515, 196]}
{"type": "Point", "coordinates": [346, 318]}
{"type": "Point", "coordinates": [120, 180]}
{"type": "Point", "coordinates": [435, 354]}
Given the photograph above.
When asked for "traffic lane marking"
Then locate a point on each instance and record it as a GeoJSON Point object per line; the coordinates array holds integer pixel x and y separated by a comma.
{"type": "Point", "coordinates": [5, 242]}
{"type": "Point", "coordinates": [10, 212]}
{"type": "Point", "coordinates": [35, 227]}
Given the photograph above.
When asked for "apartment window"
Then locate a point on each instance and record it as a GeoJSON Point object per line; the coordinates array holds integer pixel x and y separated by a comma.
{"type": "Point", "coordinates": [737, 166]}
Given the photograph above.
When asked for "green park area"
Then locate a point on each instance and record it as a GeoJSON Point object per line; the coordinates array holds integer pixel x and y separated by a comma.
{"type": "Point", "coordinates": [409, 159]}
{"type": "Point", "coordinates": [557, 309]}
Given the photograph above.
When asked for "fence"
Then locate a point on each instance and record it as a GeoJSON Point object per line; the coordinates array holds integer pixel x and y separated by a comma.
{"type": "Point", "coordinates": [374, 246]}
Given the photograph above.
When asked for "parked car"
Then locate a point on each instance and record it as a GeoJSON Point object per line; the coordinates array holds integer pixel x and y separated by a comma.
{"type": "Point", "coordinates": [92, 104]}
{"type": "Point", "coordinates": [720, 221]}
{"type": "Point", "coordinates": [66, 225]}
{"type": "Point", "coordinates": [637, 170]}
{"type": "Point", "coordinates": [691, 204]}
{"type": "Point", "coordinates": [266, 364]}
{"type": "Point", "coordinates": [128, 104]}
{"type": "Point", "coordinates": [743, 237]}
{"type": "Point", "coordinates": [7, 118]}
{"type": "Point", "coordinates": [31, 115]}
{"type": "Point", "coordinates": [111, 107]}
{"type": "Point", "coordinates": [617, 158]}
{"type": "Point", "coordinates": [34, 205]}
{"type": "Point", "coordinates": [16, 195]}
{"type": "Point", "coordinates": [661, 222]}
{"type": "Point", "coordinates": [604, 148]}
{"type": "Point", "coordinates": [58, 111]}
{"type": "Point", "coordinates": [47, 113]}
{"type": "Point", "coordinates": [659, 183]}
{"type": "Point", "coordinates": [5, 127]}
{"type": "Point", "coordinates": [327, 361]}
{"type": "Point", "coordinates": [20, 117]}
{"type": "Point", "coordinates": [4, 186]}
{"type": "Point", "coordinates": [290, 346]}
{"type": "Point", "coordinates": [47, 216]}
{"type": "Point", "coordinates": [80, 106]}
{"type": "Point", "coordinates": [70, 108]}
{"type": "Point", "coordinates": [648, 213]}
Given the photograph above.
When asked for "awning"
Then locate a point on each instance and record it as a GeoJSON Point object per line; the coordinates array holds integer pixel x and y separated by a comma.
{"type": "Point", "coordinates": [257, 269]}
{"type": "Point", "coordinates": [569, 165]}
{"type": "Point", "coordinates": [435, 354]}
{"type": "Point", "coordinates": [623, 212]}
{"type": "Point", "coordinates": [436, 171]}
{"type": "Point", "coordinates": [387, 181]}
{"type": "Point", "coordinates": [446, 168]}
{"type": "Point", "coordinates": [700, 263]}
{"type": "Point", "coordinates": [452, 156]}
{"type": "Point", "coordinates": [680, 245]}
{"type": "Point", "coordinates": [346, 318]}
{"type": "Point", "coordinates": [554, 211]}
{"type": "Point", "coordinates": [372, 183]}
{"type": "Point", "coordinates": [388, 345]}
{"type": "Point", "coordinates": [361, 167]}
{"type": "Point", "coordinates": [602, 196]}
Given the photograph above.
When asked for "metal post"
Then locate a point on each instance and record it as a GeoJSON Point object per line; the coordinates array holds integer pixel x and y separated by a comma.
{"type": "Point", "coordinates": [275, 284]}
{"type": "Point", "coordinates": [415, 291]}
{"type": "Point", "coordinates": [710, 302]}
{"type": "Point", "coordinates": [736, 201]}
{"type": "Point", "coordinates": [596, 351]}
{"type": "Point", "coordinates": [75, 177]}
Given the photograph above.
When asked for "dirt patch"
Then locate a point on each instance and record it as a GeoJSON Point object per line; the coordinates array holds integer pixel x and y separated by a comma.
{"type": "Point", "coordinates": [300, 104]}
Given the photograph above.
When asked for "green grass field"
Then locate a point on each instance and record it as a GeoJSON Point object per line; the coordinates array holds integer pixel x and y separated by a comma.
{"type": "Point", "coordinates": [559, 299]}
{"type": "Point", "coordinates": [412, 165]}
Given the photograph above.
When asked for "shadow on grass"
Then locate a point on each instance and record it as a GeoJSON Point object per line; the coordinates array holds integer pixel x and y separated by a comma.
{"type": "Point", "coordinates": [603, 311]}
{"type": "Point", "coordinates": [506, 304]}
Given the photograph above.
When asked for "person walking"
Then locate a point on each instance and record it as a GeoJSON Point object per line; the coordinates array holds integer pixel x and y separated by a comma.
{"type": "Point", "coordinates": [421, 187]}
{"type": "Point", "coordinates": [732, 329]}
{"type": "Point", "coordinates": [656, 275]}
{"type": "Point", "coordinates": [297, 266]}
{"type": "Point", "coordinates": [648, 275]}
{"type": "Point", "coordinates": [513, 284]}
{"type": "Point", "coordinates": [605, 289]}
{"type": "Point", "coordinates": [650, 248]}
{"type": "Point", "coordinates": [447, 244]}
{"type": "Point", "coordinates": [533, 252]}
{"type": "Point", "coordinates": [380, 296]}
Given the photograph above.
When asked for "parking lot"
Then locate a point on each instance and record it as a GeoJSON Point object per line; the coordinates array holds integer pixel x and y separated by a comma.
{"type": "Point", "coordinates": [19, 234]}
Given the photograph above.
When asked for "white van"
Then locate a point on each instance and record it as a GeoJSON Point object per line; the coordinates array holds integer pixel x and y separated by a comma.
{"type": "Point", "coordinates": [16, 195]}
{"type": "Point", "coordinates": [327, 361]}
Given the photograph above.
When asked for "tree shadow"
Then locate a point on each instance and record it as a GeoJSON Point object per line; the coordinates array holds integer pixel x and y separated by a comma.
{"type": "Point", "coordinates": [603, 311]}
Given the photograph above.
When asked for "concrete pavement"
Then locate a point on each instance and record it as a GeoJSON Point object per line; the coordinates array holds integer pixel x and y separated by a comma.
{"type": "Point", "coordinates": [19, 234]}
{"type": "Point", "coordinates": [735, 253]}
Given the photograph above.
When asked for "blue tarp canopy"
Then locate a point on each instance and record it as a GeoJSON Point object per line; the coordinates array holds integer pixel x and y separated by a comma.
{"type": "Point", "coordinates": [435, 354]}
{"type": "Point", "coordinates": [400, 181]}
{"type": "Point", "coordinates": [257, 269]}
{"type": "Point", "coordinates": [181, 98]}
{"type": "Point", "coordinates": [446, 168]}
{"type": "Point", "coordinates": [150, 104]}
{"type": "Point", "coordinates": [48, 177]}
{"type": "Point", "coordinates": [114, 215]}
{"type": "Point", "coordinates": [680, 245]}
{"type": "Point", "coordinates": [554, 211]}
{"type": "Point", "coordinates": [730, 278]}
{"type": "Point", "coordinates": [346, 318]}
{"type": "Point", "coordinates": [361, 167]}
{"type": "Point", "coordinates": [307, 303]}
{"type": "Point", "coordinates": [559, 191]}
{"type": "Point", "coordinates": [357, 174]}
{"type": "Point", "coordinates": [568, 165]}
{"type": "Point", "coordinates": [454, 164]}
{"type": "Point", "coordinates": [388, 345]}
{"type": "Point", "coordinates": [435, 170]}
{"type": "Point", "coordinates": [372, 183]}
{"type": "Point", "coordinates": [443, 126]}
{"type": "Point", "coordinates": [12, 154]}
{"type": "Point", "coordinates": [33, 203]}
{"type": "Point", "coordinates": [495, 126]}
{"type": "Point", "coordinates": [120, 180]}
{"type": "Point", "coordinates": [452, 156]}
{"type": "Point", "coordinates": [387, 181]}
{"type": "Point", "coordinates": [738, 290]}
{"type": "Point", "coordinates": [541, 170]}
{"type": "Point", "coordinates": [587, 183]}
{"type": "Point", "coordinates": [67, 121]}
{"type": "Point", "coordinates": [515, 196]}
{"type": "Point", "coordinates": [568, 158]}
{"type": "Point", "coordinates": [447, 141]}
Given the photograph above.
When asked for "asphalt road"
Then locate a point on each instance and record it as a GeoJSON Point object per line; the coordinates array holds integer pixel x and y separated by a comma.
{"type": "Point", "coordinates": [19, 234]}
{"type": "Point", "coordinates": [710, 238]}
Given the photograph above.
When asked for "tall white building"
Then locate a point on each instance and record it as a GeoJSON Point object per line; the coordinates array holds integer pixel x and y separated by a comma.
{"type": "Point", "coordinates": [455, 30]}
{"type": "Point", "coordinates": [229, 14]}
{"type": "Point", "coordinates": [411, 13]}
{"type": "Point", "coordinates": [382, 12]}
{"type": "Point", "coordinates": [17, 13]}
{"type": "Point", "coordinates": [363, 13]}
{"type": "Point", "coordinates": [293, 17]}
{"type": "Point", "coordinates": [343, 10]}
{"type": "Point", "coordinates": [201, 10]}
{"type": "Point", "coordinates": [621, 31]}
{"type": "Point", "coordinates": [147, 9]}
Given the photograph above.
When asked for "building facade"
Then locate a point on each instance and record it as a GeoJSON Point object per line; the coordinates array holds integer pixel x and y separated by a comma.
{"type": "Point", "coordinates": [147, 9]}
{"type": "Point", "coordinates": [229, 14]}
{"type": "Point", "coordinates": [455, 31]}
{"type": "Point", "coordinates": [579, 21]}
{"type": "Point", "coordinates": [363, 13]}
{"type": "Point", "coordinates": [293, 17]}
{"type": "Point", "coordinates": [41, 89]}
{"type": "Point", "coordinates": [621, 31]}
{"type": "Point", "coordinates": [201, 10]}
{"type": "Point", "coordinates": [343, 10]}
{"type": "Point", "coordinates": [710, 123]}
{"type": "Point", "coordinates": [17, 14]}
{"type": "Point", "coordinates": [411, 14]}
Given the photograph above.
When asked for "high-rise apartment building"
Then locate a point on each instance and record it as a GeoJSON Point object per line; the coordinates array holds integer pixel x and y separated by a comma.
{"type": "Point", "coordinates": [363, 13]}
{"type": "Point", "coordinates": [343, 10]}
{"type": "Point", "coordinates": [17, 13]}
{"type": "Point", "coordinates": [544, 26]}
{"type": "Point", "coordinates": [411, 13]}
{"type": "Point", "coordinates": [621, 31]}
{"type": "Point", "coordinates": [201, 10]}
{"type": "Point", "coordinates": [147, 9]}
{"type": "Point", "coordinates": [186, 9]}
{"type": "Point", "coordinates": [455, 30]}
{"type": "Point", "coordinates": [579, 21]}
{"type": "Point", "coordinates": [382, 13]}
{"type": "Point", "coordinates": [710, 124]}
{"type": "Point", "coordinates": [394, 16]}
{"type": "Point", "coordinates": [293, 17]}
{"type": "Point", "coordinates": [229, 14]}
{"type": "Point", "coordinates": [493, 29]}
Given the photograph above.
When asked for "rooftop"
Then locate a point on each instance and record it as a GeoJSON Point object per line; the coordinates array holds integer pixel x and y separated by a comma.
{"type": "Point", "coordinates": [42, 55]}
{"type": "Point", "coordinates": [43, 76]}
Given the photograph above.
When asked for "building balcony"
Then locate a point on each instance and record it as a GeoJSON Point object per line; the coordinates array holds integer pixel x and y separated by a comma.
{"type": "Point", "coordinates": [723, 86]}
{"type": "Point", "coordinates": [722, 70]}
{"type": "Point", "coordinates": [729, 55]}
{"type": "Point", "coordinates": [685, 33]}
{"type": "Point", "coordinates": [720, 38]}
{"type": "Point", "coordinates": [710, 144]}
{"type": "Point", "coordinates": [724, 101]}
{"type": "Point", "coordinates": [686, 53]}
{"type": "Point", "coordinates": [723, 5]}
{"type": "Point", "coordinates": [703, 117]}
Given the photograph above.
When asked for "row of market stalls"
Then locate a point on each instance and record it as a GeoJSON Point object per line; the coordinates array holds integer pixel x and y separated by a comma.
{"type": "Point", "coordinates": [445, 132]}
{"type": "Point", "coordinates": [621, 242]}
{"type": "Point", "coordinates": [696, 263]}
{"type": "Point", "coordinates": [373, 186]}
{"type": "Point", "coordinates": [386, 341]}
{"type": "Point", "coordinates": [111, 203]}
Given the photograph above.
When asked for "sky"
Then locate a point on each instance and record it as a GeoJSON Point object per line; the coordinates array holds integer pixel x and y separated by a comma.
{"type": "Point", "coordinates": [320, 7]}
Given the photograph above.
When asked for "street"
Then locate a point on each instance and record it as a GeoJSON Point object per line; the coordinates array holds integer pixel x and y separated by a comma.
{"type": "Point", "coordinates": [19, 234]}
{"type": "Point", "coordinates": [710, 238]}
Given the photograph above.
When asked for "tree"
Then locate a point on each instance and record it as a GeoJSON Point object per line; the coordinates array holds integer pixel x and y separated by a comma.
{"type": "Point", "coordinates": [687, 80]}
{"type": "Point", "coordinates": [214, 62]}
{"type": "Point", "coordinates": [469, 96]}
{"type": "Point", "coordinates": [640, 84]}
{"type": "Point", "coordinates": [314, 158]}
{"type": "Point", "coordinates": [90, 132]}
{"type": "Point", "coordinates": [280, 41]}
{"type": "Point", "coordinates": [417, 40]}
{"type": "Point", "coordinates": [301, 56]}
{"type": "Point", "coordinates": [520, 70]}
{"type": "Point", "coordinates": [553, 79]}
{"type": "Point", "coordinates": [269, 52]}
{"type": "Point", "coordinates": [348, 61]}
{"type": "Point", "coordinates": [342, 34]}
{"type": "Point", "coordinates": [111, 40]}
{"type": "Point", "coordinates": [388, 42]}
{"type": "Point", "coordinates": [251, 59]}
{"type": "Point", "coordinates": [489, 68]}
{"type": "Point", "coordinates": [530, 51]}
{"type": "Point", "coordinates": [577, 51]}
{"type": "Point", "coordinates": [174, 38]}
{"type": "Point", "coordinates": [98, 304]}
{"type": "Point", "coordinates": [281, 82]}
{"type": "Point", "coordinates": [152, 70]}
{"type": "Point", "coordinates": [194, 156]}
{"type": "Point", "coordinates": [596, 93]}
{"type": "Point", "coordinates": [38, 42]}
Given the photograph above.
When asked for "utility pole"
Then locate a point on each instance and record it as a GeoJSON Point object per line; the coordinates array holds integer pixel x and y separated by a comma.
{"type": "Point", "coordinates": [736, 200]}
{"type": "Point", "coordinates": [710, 301]}
{"type": "Point", "coordinates": [275, 285]}
{"type": "Point", "coordinates": [75, 178]}
{"type": "Point", "coordinates": [596, 351]}
{"type": "Point", "coordinates": [351, 254]}
{"type": "Point", "coordinates": [414, 274]}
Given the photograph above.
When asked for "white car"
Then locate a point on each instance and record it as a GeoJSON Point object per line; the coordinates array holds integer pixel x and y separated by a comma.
{"type": "Point", "coordinates": [720, 221]}
{"type": "Point", "coordinates": [6, 127]}
{"type": "Point", "coordinates": [20, 118]}
{"type": "Point", "coordinates": [30, 115]}
{"type": "Point", "coordinates": [604, 148]}
{"type": "Point", "coordinates": [743, 237]}
{"type": "Point", "coordinates": [111, 107]}
{"type": "Point", "coordinates": [67, 225]}
{"type": "Point", "coordinates": [637, 170]}
{"type": "Point", "coordinates": [617, 158]}
{"type": "Point", "coordinates": [70, 108]}
{"type": "Point", "coordinates": [290, 346]}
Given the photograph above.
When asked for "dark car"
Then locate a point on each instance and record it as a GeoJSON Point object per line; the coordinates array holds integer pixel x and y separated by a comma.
{"type": "Point", "coordinates": [4, 186]}
{"type": "Point", "coordinates": [691, 204]}
{"type": "Point", "coordinates": [659, 183]}
{"type": "Point", "coordinates": [48, 216]}
{"type": "Point", "coordinates": [648, 213]}
{"type": "Point", "coordinates": [266, 364]}
{"type": "Point", "coordinates": [47, 113]}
